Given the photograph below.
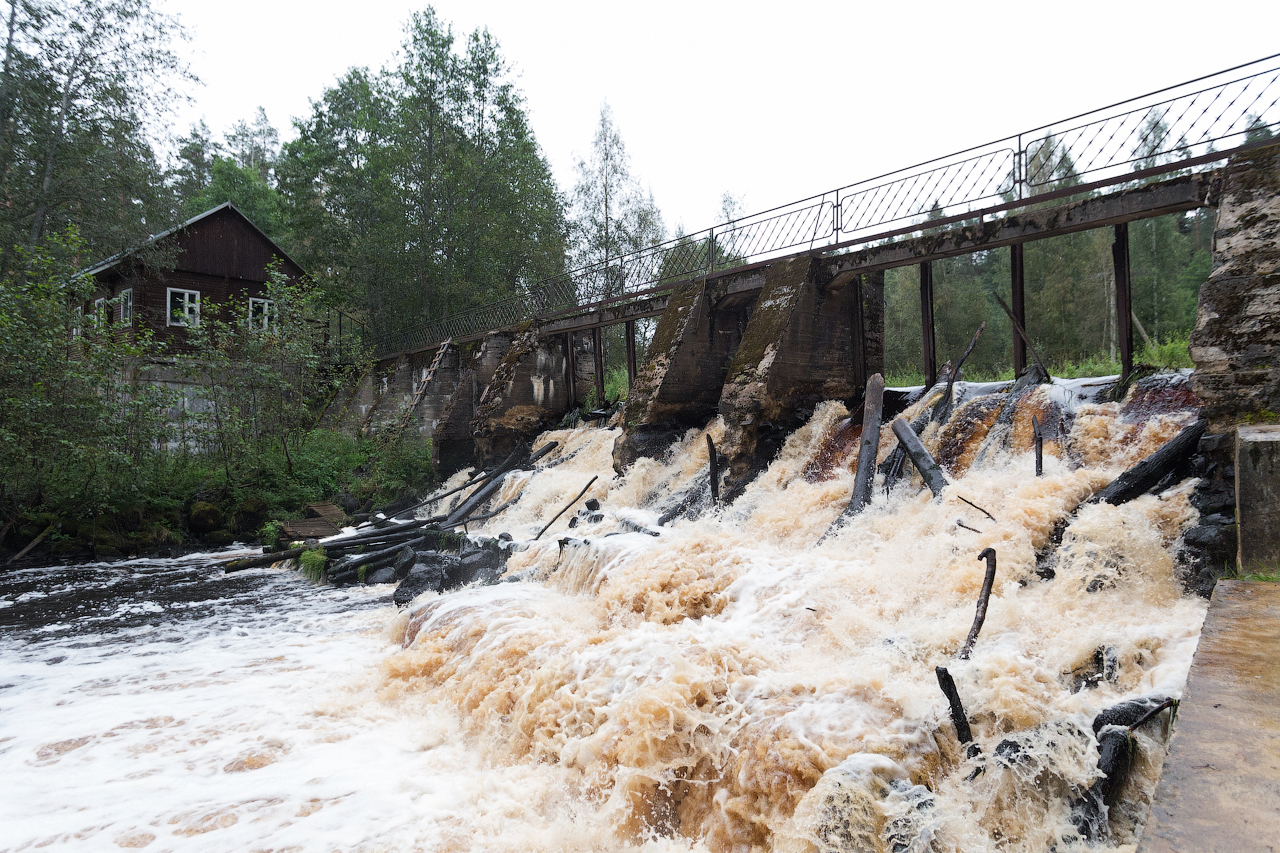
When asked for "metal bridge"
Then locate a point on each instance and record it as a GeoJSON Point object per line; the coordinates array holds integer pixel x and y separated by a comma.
{"type": "Point", "coordinates": [1177, 130]}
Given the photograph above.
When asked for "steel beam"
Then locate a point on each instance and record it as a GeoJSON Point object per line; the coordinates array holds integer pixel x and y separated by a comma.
{"type": "Point", "coordinates": [1017, 290]}
{"type": "Point", "coordinates": [1124, 299]}
{"type": "Point", "coordinates": [631, 353]}
{"type": "Point", "coordinates": [926, 323]}
{"type": "Point", "coordinates": [597, 347]}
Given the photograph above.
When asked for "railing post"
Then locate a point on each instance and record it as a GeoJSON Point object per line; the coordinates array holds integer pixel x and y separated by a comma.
{"type": "Point", "coordinates": [597, 345]}
{"type": "Point", "coordinates": [926, 323]}
{"type": "Point", "coordinates": [1124, 298]}
{"type": "Point", "coordinates": [631, 354]}
{"type": "Point", "coordinates": [1017, 290]}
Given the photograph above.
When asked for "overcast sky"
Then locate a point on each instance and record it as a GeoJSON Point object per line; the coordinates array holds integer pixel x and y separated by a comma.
{"type": "Point", "coordinates": [768, 101]}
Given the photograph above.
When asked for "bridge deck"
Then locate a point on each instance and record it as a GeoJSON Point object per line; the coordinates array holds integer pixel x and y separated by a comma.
{"type": "Point", "coordinates": [1221, 785]}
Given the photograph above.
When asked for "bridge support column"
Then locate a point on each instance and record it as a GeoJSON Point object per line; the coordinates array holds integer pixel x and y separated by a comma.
{"type": "Point", "coordinates": [524, 396]}
{"type": "Point", "coordinates": [927, 336]}
{"type": "Point", "coordinates": [680, 383]}
{"type": "Point", "coordinates": [1018, 300]}
{"type": "Point", "coordinates": [1236, 341]}
{"type": "Point", "coordinates": [800, 347]}
{"type": "Point", "coordinates": [1124, 299]}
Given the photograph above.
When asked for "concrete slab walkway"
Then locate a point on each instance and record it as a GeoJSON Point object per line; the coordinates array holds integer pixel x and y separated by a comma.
{"type": "Point", "coordinates": [1220, 792]}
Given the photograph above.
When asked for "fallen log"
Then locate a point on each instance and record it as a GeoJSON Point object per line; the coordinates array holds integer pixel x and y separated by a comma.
{"type": "Point", "coordinates": [242, 563]}
{"type": "Point", "coordinates": [577, 498]}
{"type": "Point", "coordinates": [483, 494]}
{"type": "Point", "coordinates": [355, 561]}
{"type": "Point", "coordinates": [1131, 484]}
{"type": "Point", "coordinates": [1039, 434]}
{"type": "Point", "coordinates": [983, 597]}
{"type": "Point", "coordinates": [1152, 470]}
{"type": "Point", "coordinates": [34, 542]}
{"type": "Point", "coordinates": [919, 456]}
{"type": "Point", "coordinates": [865, 474]}
{"type": "Point", "coordinates": [958, 717]}
{"type": "Point", "coordinates": [713, 471]}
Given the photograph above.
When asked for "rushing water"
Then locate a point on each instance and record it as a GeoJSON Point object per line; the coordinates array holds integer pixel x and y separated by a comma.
{"type": "Point", "coordinates": [737, 683]}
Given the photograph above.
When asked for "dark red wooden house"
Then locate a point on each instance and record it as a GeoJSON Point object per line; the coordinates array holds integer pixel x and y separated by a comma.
{"type": "Point", "coordinates": [216, 258]}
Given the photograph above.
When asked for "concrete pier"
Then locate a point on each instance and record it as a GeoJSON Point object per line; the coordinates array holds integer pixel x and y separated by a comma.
{"type": "Point", "coordinates": [1220, 791]}
{"type": "Point", "coordinates": [1258, 498]}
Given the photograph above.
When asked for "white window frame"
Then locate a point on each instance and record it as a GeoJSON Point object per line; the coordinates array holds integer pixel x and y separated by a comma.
{"type": "Point", "coordinates": [189, 317]}
{"type": "Point", "coordinates": [77, 321]}
{"type": "Point", "coordinates": [126, 306]}
{"type": "Point", "coordinates": [267, 317]}
{"type": "Point", "coordinates": [100, 311]}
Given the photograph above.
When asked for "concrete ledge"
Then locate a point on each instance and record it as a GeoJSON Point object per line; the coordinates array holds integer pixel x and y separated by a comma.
{"type": "Point", "coordinates": [1220, 791]}
{"type": "Point", "coordinates": [1258, 499]}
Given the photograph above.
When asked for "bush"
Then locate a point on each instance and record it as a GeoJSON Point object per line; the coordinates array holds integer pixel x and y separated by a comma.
{"type": "Point", "coordinates": [312, 564]}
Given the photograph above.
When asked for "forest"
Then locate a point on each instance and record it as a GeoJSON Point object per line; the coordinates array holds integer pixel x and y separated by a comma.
{"type": "Point", "coordinates": [410, 193]}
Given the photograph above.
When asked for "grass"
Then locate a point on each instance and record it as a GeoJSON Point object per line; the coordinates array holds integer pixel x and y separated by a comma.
{"type": "Point", "coordinates": [313, 564]}
{"type": "Point", "coordinates": [1170, 355]}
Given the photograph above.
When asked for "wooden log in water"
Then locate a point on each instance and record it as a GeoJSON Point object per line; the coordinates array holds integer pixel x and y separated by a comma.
{"type": "Point", "coordinates": [1039, 434]}
{"type": "Point", "coordinates": [983, 597]}
{"type": "Point", "coordinates": [33, 543]}
{"type": "Point", "coordinates": [1150, 471]}
{"type": "Point", "coordinates": [566, 507]}
{"type": "Point", "coordinates": [242, 563]}
{"type": "Point", "coordinates": [355, 561]}
{"type": "Point", "coordinates": [482, 494]}
{"type": "Point", "coordinates": [920, 457]}
{"type": "Point", "coordinates": [958, 717]}
{"type": "Point", "coordinates": [713, 471]}
{"type": "Point", "coordinates": [869, 444]}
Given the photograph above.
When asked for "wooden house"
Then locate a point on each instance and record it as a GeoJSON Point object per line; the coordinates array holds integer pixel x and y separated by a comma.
{"type": "Point", "coordinates": [216, 258]}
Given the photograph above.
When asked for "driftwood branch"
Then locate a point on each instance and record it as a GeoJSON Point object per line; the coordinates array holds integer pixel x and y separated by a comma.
{"type": "Point", "coordinates": [942, 410]}
{"type": "Point", "coordinates": [958, 718]}
{"type": "Point", "coordinates": [983, 597]}
{"type": "Point", "coordinates": [243, 563]}
{"type": "Point", "coordinates": [915, 450]}
{"type": "Point", "coordinates": [978, 508]}
{"type": "Point", "coordinates": [566, 507]}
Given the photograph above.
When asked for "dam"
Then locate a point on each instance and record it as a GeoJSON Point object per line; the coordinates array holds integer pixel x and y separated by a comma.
{"type": "Point", "coordinates": [690, 637]}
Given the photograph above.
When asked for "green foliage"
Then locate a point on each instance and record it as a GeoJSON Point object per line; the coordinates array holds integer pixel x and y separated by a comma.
{"type": "Point", "coordinates": [75, 428]}
{"type": "Point", "coordinates": [82, 81]}
{"type": "Point", "coordinates": [271, 533]}
{"type": "Point", "coordinates": [312, 564]}
{"type": "Point", "coordinates": [247, 189]}
{"type": "Point", "coordinates": [420, 189]}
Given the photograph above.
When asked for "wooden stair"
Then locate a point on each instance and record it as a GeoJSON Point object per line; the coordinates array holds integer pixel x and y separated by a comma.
{"type": "Point", "coordinates": [421, 387]}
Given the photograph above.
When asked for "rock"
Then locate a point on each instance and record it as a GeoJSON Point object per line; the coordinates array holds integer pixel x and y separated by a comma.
{"type": "Point", "coordinates": [250, 515]}
{"type": "Point", "coordinates": [592, 504]}
{"type": "Point", "coordinates": [404, 561]}
{"type": "Point", "coordinates": [108, 552]}
{"type": "Point", "coordinates": [484, 567]}
{"type": "Point", "coordinates": [421, 578]}
{"type": "Point", "coordinates": [383, 575]}
{"type": "Point", "coordinates": [504, 537]}
{"type": "Point", "coordinates": [204, 518]}
{"type": "Point", "coordinates": [350, 504]}
{"type": "Point", "coordinates": [218, 538]}
{"type": "Point", "coordinates": [446, 562]}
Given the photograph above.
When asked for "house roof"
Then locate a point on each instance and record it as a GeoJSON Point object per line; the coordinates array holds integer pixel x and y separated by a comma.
{"type": "Point", "coordinates": [114, 260]}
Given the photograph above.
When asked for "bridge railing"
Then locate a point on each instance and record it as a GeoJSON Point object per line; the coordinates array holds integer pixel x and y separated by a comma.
{"type": "Point", "coordinates": [1188, 126]}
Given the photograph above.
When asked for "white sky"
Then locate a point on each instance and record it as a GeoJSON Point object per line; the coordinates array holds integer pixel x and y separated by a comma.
{"type": "Point", "coordinates": [771, 102]}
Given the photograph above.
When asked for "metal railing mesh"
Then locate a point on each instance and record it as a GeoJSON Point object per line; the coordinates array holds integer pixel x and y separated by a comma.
{"type": "Point", "coordinates": [1204, 120]}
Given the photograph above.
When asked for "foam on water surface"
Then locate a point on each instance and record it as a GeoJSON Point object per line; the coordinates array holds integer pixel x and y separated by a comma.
{"type": "Point", "coordinates": [730, 685]}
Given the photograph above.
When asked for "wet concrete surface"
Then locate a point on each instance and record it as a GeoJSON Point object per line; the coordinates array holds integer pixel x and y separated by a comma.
{"type": "Point", "coordinates": [1220, 790]}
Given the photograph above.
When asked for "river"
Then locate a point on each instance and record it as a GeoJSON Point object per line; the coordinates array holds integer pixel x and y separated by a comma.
{"type": "Point", "coordinates": [739, 683]}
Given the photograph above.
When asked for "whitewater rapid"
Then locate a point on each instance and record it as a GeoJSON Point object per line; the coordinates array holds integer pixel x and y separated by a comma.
{"type": "Point", "coordinates": [715, 687]}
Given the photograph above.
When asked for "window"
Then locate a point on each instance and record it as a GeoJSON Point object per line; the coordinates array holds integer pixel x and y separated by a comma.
{"type": "Point", "coordinates": [100, 312]}
{"type": "Point", "coordinates": [184, 307]}
{"type": "Point", "coordinates": [77, 320]}
{"type": "Point", "coordinates": [262, 314]}
{"type": "Point", "coordinates": [126, 306]}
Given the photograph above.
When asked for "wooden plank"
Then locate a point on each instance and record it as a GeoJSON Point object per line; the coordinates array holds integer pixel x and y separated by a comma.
{"type": "Point", "coordinates": [309, 528]}
{"type": "Point", "coordinates": [331, 513]}
{"type": "Point", "coordinates": [1220, 792]}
